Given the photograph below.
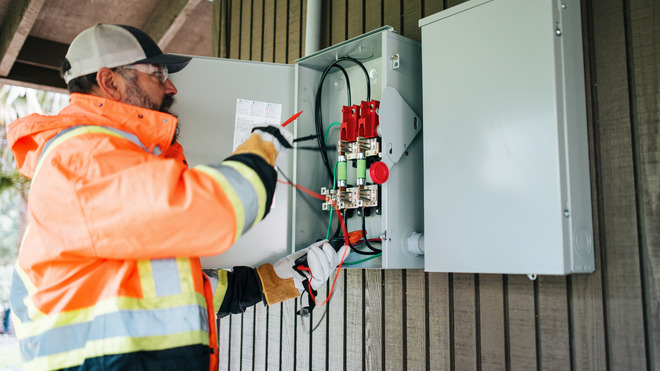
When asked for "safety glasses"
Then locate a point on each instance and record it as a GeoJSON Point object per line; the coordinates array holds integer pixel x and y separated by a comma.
{"type": "Point", "coordinates": [158, 71]}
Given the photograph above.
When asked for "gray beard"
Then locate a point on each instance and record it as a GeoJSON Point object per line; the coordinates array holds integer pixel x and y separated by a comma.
{"type": "Point", "coordinates": [137, 97]}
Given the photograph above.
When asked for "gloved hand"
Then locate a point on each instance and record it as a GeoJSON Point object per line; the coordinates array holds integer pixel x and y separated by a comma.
{"type": "Point", "coordinates": [281, 281]}
{"type": "Point", "coordinates": [279, 136]}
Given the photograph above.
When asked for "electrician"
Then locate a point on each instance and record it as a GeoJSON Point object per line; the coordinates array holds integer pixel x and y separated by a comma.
{"type": "Point", "coordinates": [108, 275]}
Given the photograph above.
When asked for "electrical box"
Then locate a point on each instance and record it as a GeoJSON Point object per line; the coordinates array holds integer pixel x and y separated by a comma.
{"type": "Point", "coordinates": [373, 137]}
{"type": "Point", "coordinates": [385, 134]}
{"type": "Point", "coordinates": [499, 183]}
{"type": "Point", "coordinates": [506, 170]}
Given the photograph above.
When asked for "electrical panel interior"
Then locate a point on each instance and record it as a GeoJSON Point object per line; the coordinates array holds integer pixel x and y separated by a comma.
{"type": "Point", "coordinates": [358, 147]}
{"type": "Point", "coordinates": [363, 99]}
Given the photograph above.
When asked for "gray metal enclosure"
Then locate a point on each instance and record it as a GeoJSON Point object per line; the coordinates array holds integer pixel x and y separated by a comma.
{"type": "Point", "coordinates": [408, 319]}
{"type": "Point", "coordinates": [400, 210]}
{"type": "Point", "coordinates": [506, 160]}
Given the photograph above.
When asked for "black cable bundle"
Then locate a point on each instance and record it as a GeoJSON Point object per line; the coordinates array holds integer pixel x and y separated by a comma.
{"type": "Point", "coordinates": [317, 108]}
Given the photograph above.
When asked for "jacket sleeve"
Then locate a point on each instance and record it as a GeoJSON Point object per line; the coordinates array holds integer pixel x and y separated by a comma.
{"type": "Point", "coordinates": [155, 207]}
{"type": "Point", "coordinates": [234, 291]}
{"type": "Point", "coordinates": [243, 287]}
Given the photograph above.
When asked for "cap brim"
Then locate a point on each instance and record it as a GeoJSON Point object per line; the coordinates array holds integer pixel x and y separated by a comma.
{"type": "Point", "coordinates": [174, 63]}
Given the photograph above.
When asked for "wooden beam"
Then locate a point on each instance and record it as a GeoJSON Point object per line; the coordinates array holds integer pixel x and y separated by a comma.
{"type": "Point", "coordinates": [18, 22]}
{"type": "Point", "coordinates": [168, 19]}
{"type": "Point", "coordinates": [35, 77]}
{"type": "Point", "coordinates": [42, 53]}
{"type": "Point", "coordinates": [216, 28]}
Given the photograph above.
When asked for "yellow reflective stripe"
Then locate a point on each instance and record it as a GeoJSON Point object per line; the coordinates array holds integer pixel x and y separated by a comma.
{"type": "Point", "coordinates": [66, 136]}
{"type": "Point", "coordinates": [220, 290]}
{"type": "Point", "coordinates": [185, 274]}
{"type": "Point", "coordinates": [256, 182]}
{"type": "Point", "coordinates": [116, 345]}
{"type": "Point", "coordinates": [27, 229]}
{"type": "Point", "coordinates": [29, 286]}
{"type": "Point", "coordinates": [231, 195]}
{"type": "Point", "coordinates": [146, 279]}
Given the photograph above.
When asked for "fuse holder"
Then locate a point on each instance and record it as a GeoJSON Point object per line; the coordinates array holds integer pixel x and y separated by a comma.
{"type": "Point", "coordinates": [368, 122]}
{"type": "Point", "coordinates": [341, 171]}
{"type": "Point", "coordinates": [350, 117]}
{"type": "Point", "coordinates": [379, 172]}
{"type": "Point", "coordinates": [361, 168]}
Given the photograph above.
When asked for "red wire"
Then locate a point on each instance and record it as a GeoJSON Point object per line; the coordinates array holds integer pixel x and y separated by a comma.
{"type": "Point", "coordinates": [308, 191]}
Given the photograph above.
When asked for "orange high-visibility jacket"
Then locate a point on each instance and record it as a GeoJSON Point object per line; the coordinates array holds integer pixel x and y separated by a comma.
{"type": "Point", "coordinates": [108, 274]}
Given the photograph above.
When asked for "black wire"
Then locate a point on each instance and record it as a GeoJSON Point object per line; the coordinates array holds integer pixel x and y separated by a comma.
{"type": "Point", "coordinates": [319, 117]}
{"type": "Point", "coordinates": [364, 235]}
{"type": "Point", "coordinates": [324, 148]}
{"type": "Point", "coordinates": [303, 139]}
{"type": "Point", "coordinates": [286, 177]}
{"type": "Point", "coordinates": [355, 249]}
{"type": "Point", "coordinates": [338, 230]}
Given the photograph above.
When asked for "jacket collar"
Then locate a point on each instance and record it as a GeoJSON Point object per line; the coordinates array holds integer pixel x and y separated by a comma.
{"type": "Point", "coordinates": [28, 135]}
{"type": "Point", "coordinates": [153, 128]}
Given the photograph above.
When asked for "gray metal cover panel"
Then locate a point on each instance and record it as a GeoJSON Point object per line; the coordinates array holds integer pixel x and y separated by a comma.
{"type": "Point", "coordinates": [505, 152]}
{"type": "Point", "coordinates": [206, 105]}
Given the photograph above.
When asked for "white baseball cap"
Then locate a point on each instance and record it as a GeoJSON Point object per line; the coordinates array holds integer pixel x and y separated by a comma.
{"type": "Point", "coordinates": [108, 45]}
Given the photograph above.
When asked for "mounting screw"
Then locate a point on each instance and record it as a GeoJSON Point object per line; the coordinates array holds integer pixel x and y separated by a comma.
{"type": "Point", "coordinates": [567, 213]}
{"type": "Point", "coordinates": [395, 61]}
{"type": "Point", "coordinates": [563, 6]}
{"type": "Point", "coordinates": [558, 32]}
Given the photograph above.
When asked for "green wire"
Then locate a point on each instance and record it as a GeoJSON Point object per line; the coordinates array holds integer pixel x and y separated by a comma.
{"type": "Point", "coordinates": [325, 139]}
{"type": "Point", "coordinates": [363, 260]}
{"type": "Point", "coordinates": [334, 178]}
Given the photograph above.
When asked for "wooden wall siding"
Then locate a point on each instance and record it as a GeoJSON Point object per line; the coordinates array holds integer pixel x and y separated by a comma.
{"type": "Point", "coordinates": [409, 319]}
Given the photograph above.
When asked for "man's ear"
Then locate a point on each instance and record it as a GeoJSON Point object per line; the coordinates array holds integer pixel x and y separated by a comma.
{"type": "Point", "coordinates": [109, 84]}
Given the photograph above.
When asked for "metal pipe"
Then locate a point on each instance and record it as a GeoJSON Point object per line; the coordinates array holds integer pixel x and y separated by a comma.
{"type": "Point", "coordinates": [313, 27]}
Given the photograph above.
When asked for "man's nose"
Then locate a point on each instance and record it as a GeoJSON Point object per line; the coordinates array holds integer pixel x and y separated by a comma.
{"type": "Point", "coordinates": [170, 89]}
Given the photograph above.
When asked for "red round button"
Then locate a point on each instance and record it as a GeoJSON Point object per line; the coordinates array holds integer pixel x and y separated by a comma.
{"type": "Point", "coordinates": [379, 172]}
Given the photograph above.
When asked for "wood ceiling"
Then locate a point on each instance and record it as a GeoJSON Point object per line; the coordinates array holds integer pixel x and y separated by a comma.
{"type": "Point", "coordinates": [35, 34]}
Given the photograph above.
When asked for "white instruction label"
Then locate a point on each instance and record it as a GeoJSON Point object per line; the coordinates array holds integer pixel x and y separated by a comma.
{"type": "Point", "coordinates": [250, 113]}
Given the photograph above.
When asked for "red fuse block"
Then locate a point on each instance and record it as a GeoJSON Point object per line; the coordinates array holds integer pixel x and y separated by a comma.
{"type": "Point", "coordinates": [350, 117]}
{"type": "Point", "coordinates": [368, 121]}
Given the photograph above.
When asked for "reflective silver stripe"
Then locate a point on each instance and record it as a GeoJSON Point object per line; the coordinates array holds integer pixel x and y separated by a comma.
{"type": "Point", "coordinates": [18, 295]}
{"type": "Point", "coordinates": [125, 323]}
{"type": "Point", "coordinates": [126, 135]}
{"type": "Point", "coordinates": [245, 191]}
{"type": "Point", "coordinates": [132, 137]}
{"type": "Point", "coordinates": [166, 276]}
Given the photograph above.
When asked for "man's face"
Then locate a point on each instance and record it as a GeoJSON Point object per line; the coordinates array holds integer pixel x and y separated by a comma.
{"type": "Point", "coordinates": [145, 90]}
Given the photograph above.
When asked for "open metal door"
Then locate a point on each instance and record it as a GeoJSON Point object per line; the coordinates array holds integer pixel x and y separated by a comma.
{"type": "Point", "coordinates": [206, 104]}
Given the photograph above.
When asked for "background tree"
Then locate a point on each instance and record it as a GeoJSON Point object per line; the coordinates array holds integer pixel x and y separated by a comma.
{"type": "Point", "coordinates": [16, 102]}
